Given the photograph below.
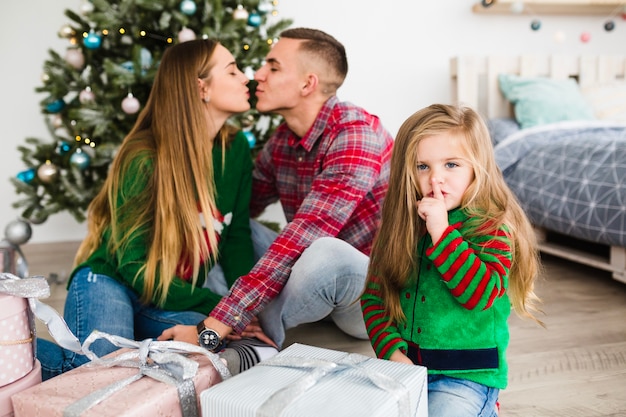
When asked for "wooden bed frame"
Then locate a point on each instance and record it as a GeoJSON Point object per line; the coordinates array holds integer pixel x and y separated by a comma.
{"type": "Point", "coordinates": [475, 83]}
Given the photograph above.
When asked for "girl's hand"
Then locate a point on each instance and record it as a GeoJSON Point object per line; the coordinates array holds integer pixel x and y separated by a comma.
{"type": "Point", "coordinates": [180, 333]}
{"type": "Point", "coordinates": [398, 356]}
{"type": "Point", "coordinates": [433, 211]}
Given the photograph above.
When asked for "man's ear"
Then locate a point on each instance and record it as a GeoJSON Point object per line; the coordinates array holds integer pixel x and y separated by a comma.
{"type": "Point", "coordinates": [311, 84]}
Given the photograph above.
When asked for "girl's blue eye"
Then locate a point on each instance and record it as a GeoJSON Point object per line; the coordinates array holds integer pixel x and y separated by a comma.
{"type": "Point", "coordinates": [421, 167]}
{"type": "Point", "coordinates": [451, 164]}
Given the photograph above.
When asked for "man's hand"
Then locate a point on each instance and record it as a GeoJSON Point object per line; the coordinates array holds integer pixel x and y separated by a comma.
{"type": "Point", "coordinates": [253, 329]}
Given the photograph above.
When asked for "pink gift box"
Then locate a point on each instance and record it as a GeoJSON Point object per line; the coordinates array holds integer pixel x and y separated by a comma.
{"type": "Point", "coordinates": [32, 378]}
{"type": "Point", "coordinates": [144, 397]}
{"type": "Point", "coordinates": [16, 347]}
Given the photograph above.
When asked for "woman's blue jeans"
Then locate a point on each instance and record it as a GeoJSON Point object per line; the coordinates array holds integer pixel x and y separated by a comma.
{"type": "Point", "coordinates": [100, 302]}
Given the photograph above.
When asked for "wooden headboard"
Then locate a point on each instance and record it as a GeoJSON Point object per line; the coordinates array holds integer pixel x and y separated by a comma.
{"type": "Point", "coordinates": [475, 78]}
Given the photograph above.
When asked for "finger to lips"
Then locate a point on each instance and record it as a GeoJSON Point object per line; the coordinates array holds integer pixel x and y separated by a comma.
{"type": "Point", "coordinates": [437, 189]}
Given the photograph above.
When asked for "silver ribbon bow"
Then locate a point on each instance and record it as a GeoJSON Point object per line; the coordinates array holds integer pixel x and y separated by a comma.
{"type": "Point", "coordinates": [33, 288]}
{"type": "Point", "coordinates": [163, 361]}
{"type": "Point", "coordinates": [321, 368]}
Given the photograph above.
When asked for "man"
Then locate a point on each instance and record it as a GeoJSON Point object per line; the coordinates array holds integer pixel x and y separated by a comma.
{"type": "Point", "coordinates": [328, 165]}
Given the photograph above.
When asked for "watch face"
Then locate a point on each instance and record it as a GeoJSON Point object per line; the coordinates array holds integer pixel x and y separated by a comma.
{"type": "Point", "coordinates": [209, 339]}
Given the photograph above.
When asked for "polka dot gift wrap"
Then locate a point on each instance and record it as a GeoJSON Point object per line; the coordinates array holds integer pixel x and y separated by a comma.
{"type": "Point", "coordinates": [16, 347]}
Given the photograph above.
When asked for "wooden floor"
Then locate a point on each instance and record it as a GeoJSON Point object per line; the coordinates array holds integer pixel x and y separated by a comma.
{"type": "Point", "coordinates": [576, 367]}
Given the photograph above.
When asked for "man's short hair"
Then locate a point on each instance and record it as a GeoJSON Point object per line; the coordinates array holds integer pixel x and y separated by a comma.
{"type": "Point", "coordinates": [324, 46]}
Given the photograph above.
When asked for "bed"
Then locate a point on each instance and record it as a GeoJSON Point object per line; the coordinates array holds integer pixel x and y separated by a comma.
{"type": "Point", "coordinates": [558, 124]}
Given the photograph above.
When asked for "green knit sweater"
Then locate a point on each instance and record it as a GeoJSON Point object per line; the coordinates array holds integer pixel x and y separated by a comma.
{"type": "Point", "coordinates": [456, 307]}
{"type": "Point", "coordinates": [233, 185]}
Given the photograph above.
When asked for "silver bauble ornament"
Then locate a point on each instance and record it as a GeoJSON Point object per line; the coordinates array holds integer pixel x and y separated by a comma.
{"type": "Point", "coordinates": [18, 232]}
{"type": "Point", "coordinates": [38, 216]}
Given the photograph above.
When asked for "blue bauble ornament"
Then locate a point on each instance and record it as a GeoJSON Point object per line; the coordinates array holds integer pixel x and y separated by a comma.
{"type": "Point", "coordinates": [80, 159]}
{"type": "Point", "coordinates": [92, 40]}
{"type": "Point", "coordinates": [55, 106]}
{"type": "Point", "coordinates": [251, 138]}
{"type": "Point", "coordinates": [63, 148]}
{"type": "Point", "coordinates": [188, 7]}
{"type": "Point", "coordinates": [128, 66]}
{"type": "Point", "coordinates": [145, 57]}
{"type": "Point", "coordinates": [254, 19]}
{"type": "Point", "coordinates": [265, 7]}
{"type": "Point", "coordinates": [26, 176]}
{"type": "Point", "coordinates": [535, 25]}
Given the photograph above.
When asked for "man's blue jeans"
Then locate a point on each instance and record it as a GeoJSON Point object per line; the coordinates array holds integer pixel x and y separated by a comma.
{"type": "Point", "coordinates": [100, 302]}
{"type": "Point", "coordinates": [326, 281]}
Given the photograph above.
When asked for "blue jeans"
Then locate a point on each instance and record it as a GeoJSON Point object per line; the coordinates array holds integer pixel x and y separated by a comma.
{"type": "Point", "coordinates": [454, 397]}
{"type": "Point", "coordinates": [100, 302]}
{"type": "Point", "coordinates": [326, 281]}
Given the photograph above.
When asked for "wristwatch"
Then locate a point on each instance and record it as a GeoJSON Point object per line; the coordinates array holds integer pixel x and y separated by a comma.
{"type": "Point", "coordinates": [208, 338]}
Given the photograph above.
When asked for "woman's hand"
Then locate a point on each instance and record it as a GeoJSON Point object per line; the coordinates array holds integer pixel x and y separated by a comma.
{"type": "Point", "coordinates": [253, 329]}
{"type": "Point", "coordinates": [180, 333]}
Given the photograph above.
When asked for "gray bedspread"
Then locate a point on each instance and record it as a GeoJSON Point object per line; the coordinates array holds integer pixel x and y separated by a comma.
{"type": "Point", "coordinates": [570, 177]}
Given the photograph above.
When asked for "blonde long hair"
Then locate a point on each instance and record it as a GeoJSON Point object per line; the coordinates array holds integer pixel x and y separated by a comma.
{"type": "Point", "coordinates": [173, 133]}
{"type": "Point", "coordinates": [488, 200]}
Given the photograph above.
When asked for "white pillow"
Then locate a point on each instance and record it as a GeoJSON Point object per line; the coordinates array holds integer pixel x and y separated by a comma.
{"type": "Point", "coordinates": [607, 100]}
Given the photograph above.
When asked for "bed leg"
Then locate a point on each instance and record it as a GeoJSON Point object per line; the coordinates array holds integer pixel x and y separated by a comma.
{"type": "Point", "coordinates": [618, 262]}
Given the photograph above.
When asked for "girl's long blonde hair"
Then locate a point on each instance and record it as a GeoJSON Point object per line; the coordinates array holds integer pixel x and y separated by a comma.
{"type": "Point", "coordinates": [488, 200]}
{"type": "Point", "coordinates": [174, 135]}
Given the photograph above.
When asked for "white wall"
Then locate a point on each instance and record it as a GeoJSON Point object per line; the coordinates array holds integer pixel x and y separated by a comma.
{"type": "Point", "coordinates": [398, 52]}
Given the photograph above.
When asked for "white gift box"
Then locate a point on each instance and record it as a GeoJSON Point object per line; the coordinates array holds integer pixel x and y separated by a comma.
{"type": "Point", "coordinates": [306, 381]}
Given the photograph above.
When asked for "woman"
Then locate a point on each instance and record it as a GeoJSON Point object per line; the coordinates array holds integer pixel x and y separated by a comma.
{"type": "Point", "coordinates": [172, 206]}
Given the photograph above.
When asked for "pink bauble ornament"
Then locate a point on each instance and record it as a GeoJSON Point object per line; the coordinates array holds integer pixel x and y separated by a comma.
{"type": "Point", "coordinates": [130, 104]}
{"type": "Point", "coordinates": [47, 172]}
{"type": "Point", "coordinates": [585, 37]}
{"type": "Point", "coordinates": [186, 34]}
{"type": "Point", "coordinates": [86, 96]}
{"type": "Point", "coordinates": [87, 7]}
{"type": "Point", "coordinates": [240, 13]}
{"type": "Point", "coordinates": [57, 121]}
{"type": "Point", "coordinates": [75, 57]}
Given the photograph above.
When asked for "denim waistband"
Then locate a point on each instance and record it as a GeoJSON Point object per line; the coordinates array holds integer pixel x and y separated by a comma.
{"type": "Point", "coordinates": [453, 359]}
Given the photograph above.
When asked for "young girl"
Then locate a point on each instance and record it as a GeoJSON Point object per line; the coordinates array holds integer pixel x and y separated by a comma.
{"type": "Point", "coordinates": [454, 251]}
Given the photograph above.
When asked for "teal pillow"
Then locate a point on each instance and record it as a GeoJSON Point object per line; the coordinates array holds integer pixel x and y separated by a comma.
{"type": "Point", "coordinates": [539, 101]}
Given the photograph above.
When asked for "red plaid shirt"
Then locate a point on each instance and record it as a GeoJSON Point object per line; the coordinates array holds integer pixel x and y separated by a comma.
{"type": "Point", "coordinates": [331, 182]}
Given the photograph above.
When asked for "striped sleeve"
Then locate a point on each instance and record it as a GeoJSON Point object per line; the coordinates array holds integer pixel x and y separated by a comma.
{"type": "Point", "coordinates": [475, 271]}
{"type": "Point", "coordinates": [383, 334]}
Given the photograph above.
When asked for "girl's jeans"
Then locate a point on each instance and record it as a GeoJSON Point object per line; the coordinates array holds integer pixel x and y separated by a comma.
{"type": "Point", "coordinates": [100, 302]}
{"type": "Point", "coordinates": [454, 397]}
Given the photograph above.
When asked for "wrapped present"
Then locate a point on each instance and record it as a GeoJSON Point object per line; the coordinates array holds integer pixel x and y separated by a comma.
{"type": "Point", "coordinates": [306, 381]}
{"type": "Point", "coordinates": [146, 378]}
{"type": "Point", "coordinates": [16, 339]}
{"type": "Point", "coordinates": [20, 306]}
{"type": "Point", "coordinates": [32, 378]}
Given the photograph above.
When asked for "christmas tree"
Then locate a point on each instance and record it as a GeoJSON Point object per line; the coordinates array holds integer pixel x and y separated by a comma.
{"type": "Point", "coordinates": [94, 91]}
